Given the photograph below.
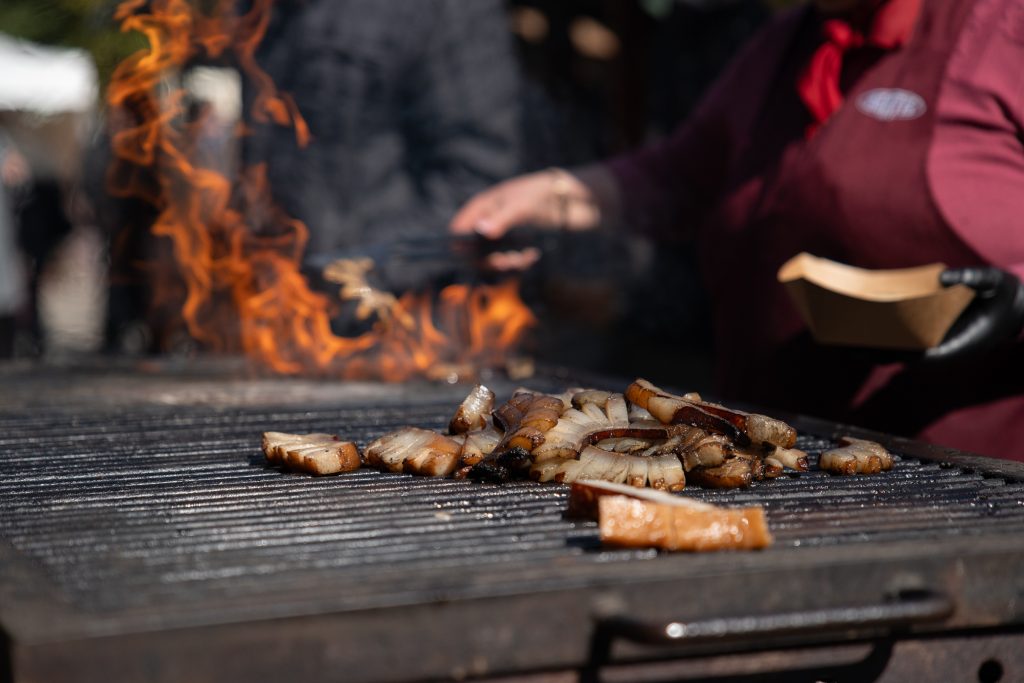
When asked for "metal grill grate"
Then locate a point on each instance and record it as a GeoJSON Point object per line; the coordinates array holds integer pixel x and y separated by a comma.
{"type": "Point", "coordinates": [174, 511]}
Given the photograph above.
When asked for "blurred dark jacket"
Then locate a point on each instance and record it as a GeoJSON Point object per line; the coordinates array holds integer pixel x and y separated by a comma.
{"type": "Point", "coordinates": [412, 106]}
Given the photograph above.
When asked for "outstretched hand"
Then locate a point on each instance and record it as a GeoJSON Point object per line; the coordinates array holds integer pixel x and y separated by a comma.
{"type": "Point", "coordinates": [496, 210]}
{"type": "Point", "coordinates": [552, 199]}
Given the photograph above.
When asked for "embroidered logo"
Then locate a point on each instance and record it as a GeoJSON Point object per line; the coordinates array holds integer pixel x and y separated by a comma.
{"type": "Point", "coordinates": [891, 104]}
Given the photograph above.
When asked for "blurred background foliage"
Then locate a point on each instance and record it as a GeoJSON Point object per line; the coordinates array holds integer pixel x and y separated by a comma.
{"type": "Point", "coordinates": [85, 24]}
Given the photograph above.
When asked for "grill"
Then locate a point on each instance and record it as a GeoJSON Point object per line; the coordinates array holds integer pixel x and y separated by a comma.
{"type": "Point", "coordinates": [143, 538]}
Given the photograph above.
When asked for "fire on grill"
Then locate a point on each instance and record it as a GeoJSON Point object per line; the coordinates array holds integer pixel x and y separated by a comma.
{"type": "Point", "coordinates": [237, 283]}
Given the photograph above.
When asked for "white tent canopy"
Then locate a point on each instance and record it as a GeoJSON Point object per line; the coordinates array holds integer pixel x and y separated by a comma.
{"type": "Point", "coordinates": [45, 80]}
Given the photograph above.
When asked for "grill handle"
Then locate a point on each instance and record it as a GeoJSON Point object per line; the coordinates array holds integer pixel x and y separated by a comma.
{"type": "Point", "coordinates": [905, 609]}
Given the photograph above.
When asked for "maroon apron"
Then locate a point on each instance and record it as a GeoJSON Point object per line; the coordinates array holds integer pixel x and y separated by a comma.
{"type": "Point", "coordinates": [856, 192]}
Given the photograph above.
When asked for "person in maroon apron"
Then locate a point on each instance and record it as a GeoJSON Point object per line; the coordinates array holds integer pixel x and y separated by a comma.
{"type": "Point", "coordinates": [878, 133]}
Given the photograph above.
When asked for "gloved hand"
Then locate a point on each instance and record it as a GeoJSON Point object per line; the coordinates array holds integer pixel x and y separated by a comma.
{"type": "Point", "coordinates": [995, 317]}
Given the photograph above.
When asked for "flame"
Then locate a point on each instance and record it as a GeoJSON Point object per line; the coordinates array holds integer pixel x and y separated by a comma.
{"type": "Point", "coordinates": [237, 255]}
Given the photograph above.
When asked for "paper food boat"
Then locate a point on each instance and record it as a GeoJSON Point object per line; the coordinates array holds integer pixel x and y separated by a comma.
{"type": "Point", "coordinates": [894, 309]}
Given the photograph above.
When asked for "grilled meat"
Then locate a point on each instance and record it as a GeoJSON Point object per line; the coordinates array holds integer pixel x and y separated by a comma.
{"type": "Point", "coordinates": [316, 454]}
{"type": "Point", "coordinates": [474, 411]}
{"type": "Point", "coordinates": [735, 472]}
{"type": "Point", "coordinates": [856, 456]}
{"type": "Point", "coordinates": [742, 428]}
{"type": "Point", "coordinates": [478, 444]}
{"type": "Point", "coordinates": [417, 451]}
{"type": "Point", "coordinates": [793, 458]}
{"type": "Point", "coordinates": [641, 518]}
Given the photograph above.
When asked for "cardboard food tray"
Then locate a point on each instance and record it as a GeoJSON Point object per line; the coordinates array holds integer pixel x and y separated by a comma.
{"type": "Point", "coordinates": [894, 309]}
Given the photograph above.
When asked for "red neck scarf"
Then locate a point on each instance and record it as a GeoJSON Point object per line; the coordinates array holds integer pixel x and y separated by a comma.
{"type": "Point", "coordinates": [888, 23]}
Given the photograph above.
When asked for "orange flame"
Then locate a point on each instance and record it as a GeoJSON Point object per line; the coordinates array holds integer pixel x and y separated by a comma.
{"type": "Point", "coordinates": [242, 282]}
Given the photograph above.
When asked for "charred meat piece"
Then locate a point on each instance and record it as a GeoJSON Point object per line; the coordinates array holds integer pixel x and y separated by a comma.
{"type": "Point", "coordinates": [536, 416]}
{"type": "Point", "coordinates": [479, 443]}
{"type": "Point", "coordinates": [595, 416]}
{"type": "Point", "coordinates": [525, 419]}
{"type": "Point", "coordinates": [793, 458]}
{"type": "Point", "coordinates": [670, 409]}
{"type": "Point", "coordinates": [316, 454]}
{"type": "Point", "coordinates": [540, 427]}
{"type": "Point", "coordinates": [856, 456]}
{"type": "Point", "coordinates": [567, 437]}
{"type": "Point", "coordinates": [641, 518]}
{"type": "Point", "coordinates": [698, 448]}
{"type": "Point", "coordinates": [509, 414]}
{"type": "Point", "coordinates": [760, 429]}
{"type": "Point", "coordinates": [743, 428]}
{"type": "Point", "coordinates": [417, 451]}
{"type": "Point", "coordinates": [474, 411]}
{"type": "Point", "coordinates": [735, 472]}
{"type": "Point", "coordinates": [773, 467]}
{"type": "Point", "coordinates": [694, 446]}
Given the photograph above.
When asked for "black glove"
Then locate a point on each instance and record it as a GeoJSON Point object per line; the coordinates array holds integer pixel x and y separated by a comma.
{"type": "Point", "coordinates": [994, 318]}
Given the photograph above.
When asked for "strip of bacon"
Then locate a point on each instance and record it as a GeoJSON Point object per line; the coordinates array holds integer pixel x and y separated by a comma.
{"type": "Point", "coordinates": [316, 454]}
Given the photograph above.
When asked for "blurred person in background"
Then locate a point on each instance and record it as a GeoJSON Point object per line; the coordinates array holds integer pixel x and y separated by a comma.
{"type": "Point", "coordinates": [412, 105]}
{"type": "Point", "coordinates": [43, 224]}
{"type": "Point", "coordinates": [14, 174]}
{"type": "Point", "coordinates": [601, 77]}
{"type": "Point", "coordinates": [879, 133]}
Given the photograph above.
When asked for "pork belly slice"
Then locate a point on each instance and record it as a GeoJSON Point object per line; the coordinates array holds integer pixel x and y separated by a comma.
{"type": "Point", "coordinates": [735, 472]}
{"type": "Point", "coordinates": [793, 458]}
{"type": "Point", "coordinates": [474, 411]}
{"type": "Point", "coordinates": [275, 443]}
{"type": "Point", "coordinates": [856, 456]}
{"type": "Point", "coordinates": [642, 518]}
{"type": "Point", "coordinates": [526, 418]}
{"type": "Point", "coordinates": [743, 428]}
{"type": "Point", "coordinates": [479, 443]}
{"type": "Point", "coordinates": [594, 416]}
{"type": "Point", "coordinates": [417, 451]}
{"type": "Point", "coordinates": [316, 454]}
{"type": "Point", "coordinates": [659, 471]}
{"type": "Point", "coordinates": [541, 427]}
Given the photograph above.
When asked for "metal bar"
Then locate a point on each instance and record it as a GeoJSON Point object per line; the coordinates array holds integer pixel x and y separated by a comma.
{"type": "Point", "coordinates": [903, 610]}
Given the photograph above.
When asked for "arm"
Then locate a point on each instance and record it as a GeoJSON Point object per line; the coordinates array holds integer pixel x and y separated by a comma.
{"type": "Point", "coordinates": [656, 189]}
{"type": "Point", "coordinates": [578, 199]}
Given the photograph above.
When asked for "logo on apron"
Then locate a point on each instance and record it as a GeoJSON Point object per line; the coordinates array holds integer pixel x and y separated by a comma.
{"type": "Point", "coordinates": [891, 104]}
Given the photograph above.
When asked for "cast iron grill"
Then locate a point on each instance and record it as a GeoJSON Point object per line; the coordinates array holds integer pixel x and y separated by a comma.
{"type": "Point", "coordinates": [153, 518]}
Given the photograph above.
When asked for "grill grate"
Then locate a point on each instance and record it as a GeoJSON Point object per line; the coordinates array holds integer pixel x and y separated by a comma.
{"type": "Point", "coordinates": [154, 509]}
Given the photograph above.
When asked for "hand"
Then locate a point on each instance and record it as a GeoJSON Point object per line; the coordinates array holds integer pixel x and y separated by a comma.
{"type": "Point", "coordinates": [995, 317]}
{"type": "Point", "coordinates": [554, 198]}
